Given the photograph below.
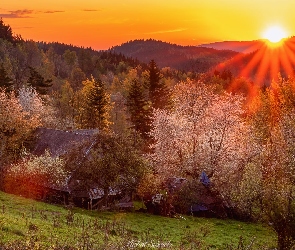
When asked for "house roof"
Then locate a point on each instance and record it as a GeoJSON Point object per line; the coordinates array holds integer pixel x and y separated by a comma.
{"type": "Point", "coordinates": [58, 142]}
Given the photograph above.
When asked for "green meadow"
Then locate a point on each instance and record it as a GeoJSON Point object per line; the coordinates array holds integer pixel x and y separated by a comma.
{"type": "Point", "coordinates": [28, 224]}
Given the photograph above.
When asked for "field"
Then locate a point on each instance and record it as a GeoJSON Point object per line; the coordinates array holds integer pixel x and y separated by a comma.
{"type": "Point", "coordinates": [27, 224]}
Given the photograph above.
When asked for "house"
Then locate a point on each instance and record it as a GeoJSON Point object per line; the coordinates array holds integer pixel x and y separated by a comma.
{"type": "Point", "coordinates": [61, 143]}
{"type": "Point", "coordinates": [204, 200]}
{"type": "Point", "coordinates": [57, 143]}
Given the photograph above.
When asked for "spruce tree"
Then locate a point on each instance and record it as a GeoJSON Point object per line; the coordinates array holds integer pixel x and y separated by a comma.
{"type": "Point", "coordinates": [5, 81]}
{"type": "Point", "coordinates": [38, 82]}
{"type": "Point", "coordinates": [98, 106]}
{"type": "Point", "coordinates": [6, 32]}
{"type": "Point", "coordinates": [139, 109]}
{"type": "Point", "coordinates": [158, 92]}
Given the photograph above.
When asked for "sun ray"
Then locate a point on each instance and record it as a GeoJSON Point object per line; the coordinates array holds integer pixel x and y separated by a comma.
{"type": "Point", "coordinates": [274, 64]}
{"type": "Point", "coordinates": [286, 60]}
{"type": "Point", "coordinates": [254, 62]}
{"type": "Point", "coordinates": [262, 70]}
{"type": "Point", "coordinates": [291, 57]}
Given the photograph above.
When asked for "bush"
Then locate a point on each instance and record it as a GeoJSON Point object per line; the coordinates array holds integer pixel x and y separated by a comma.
{"type": "Point", "coordinates": [33, 175]}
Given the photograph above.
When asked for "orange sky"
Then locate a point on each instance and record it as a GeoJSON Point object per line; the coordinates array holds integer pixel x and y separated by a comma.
{"type": "Point", "coordinates": [102, 24]}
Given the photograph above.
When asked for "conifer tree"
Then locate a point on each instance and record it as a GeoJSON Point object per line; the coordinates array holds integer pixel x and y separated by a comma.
{"type": "Point", "coordinates": [37, 81]}
{"type": "Point", "coordinates": [139, 108]}
{"type": "Point", "coordinates": [158, 92]}
{"type": "Point", "coordinates": [97, 106]}
{"type": "Point", "coordinates": [6, 32]}
{"type": "Point", "coordinates": [5, 81]}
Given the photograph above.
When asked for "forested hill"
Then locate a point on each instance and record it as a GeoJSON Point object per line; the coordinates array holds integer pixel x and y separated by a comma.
{"type": "Point", "coordinates": [238, 46]}
{"type": "Point", "coordinates": [188, 58]}
{"type": "Point", "coordinates": [91, 60]}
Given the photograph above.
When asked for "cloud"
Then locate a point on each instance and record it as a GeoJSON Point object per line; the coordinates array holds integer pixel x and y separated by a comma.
{"type": "Point", "coordinates": [52, 11]}
{"type": "Point", "coordinates": [166, 31]}
{"type": "Point", "coordinates": [17, 14]}
{"type": "Point", "coordinates": [25, 13]}
{"type": "Point", "coordinates": [90, 10]}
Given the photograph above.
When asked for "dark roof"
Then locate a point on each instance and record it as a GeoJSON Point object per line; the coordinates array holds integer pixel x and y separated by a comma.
{"type": "Point", "coordinates": [58, 142]}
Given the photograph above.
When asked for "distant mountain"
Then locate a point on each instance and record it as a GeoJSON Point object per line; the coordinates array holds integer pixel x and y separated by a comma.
{"type": "Point", "coordinates": [238, 46]}
{"type": "Point", "coordinates": [188, 58]}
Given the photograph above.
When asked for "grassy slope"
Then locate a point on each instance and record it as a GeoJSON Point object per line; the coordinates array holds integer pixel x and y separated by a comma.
{"type": "Point", "coordinates": [47, 225]}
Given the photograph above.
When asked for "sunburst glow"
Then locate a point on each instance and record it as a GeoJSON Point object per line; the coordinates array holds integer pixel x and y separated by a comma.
{"type": "Point", "coordinates": [274, 34]}
{"type": "Point", "coordinates": [273, 59]}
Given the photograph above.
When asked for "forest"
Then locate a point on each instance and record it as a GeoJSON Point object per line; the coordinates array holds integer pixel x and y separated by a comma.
{"type": "Point", "coordinates": [154, 123]}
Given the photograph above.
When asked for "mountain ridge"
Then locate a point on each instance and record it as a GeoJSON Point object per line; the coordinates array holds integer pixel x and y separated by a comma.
{"type": "Point", "coordinates": [188, 58]}
{"type": "Point", "coordinates": [238, 46]}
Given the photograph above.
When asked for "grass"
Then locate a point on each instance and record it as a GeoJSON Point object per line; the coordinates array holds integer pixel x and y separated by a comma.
{"type": "Point", "coordinates": [37, 225]}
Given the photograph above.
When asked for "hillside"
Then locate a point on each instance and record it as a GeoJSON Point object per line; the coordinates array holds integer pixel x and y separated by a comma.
{"type": "Point", "coordinates": [238, 46]}
{"type": "Point", "coordinates": [188, 58]}
{"type": "Point", "coordinates": [27, 224]}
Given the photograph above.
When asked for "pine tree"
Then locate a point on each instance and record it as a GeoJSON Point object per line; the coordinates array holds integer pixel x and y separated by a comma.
{"type": "Point", "coordinates": [6, 32]}
{"type": "Point", "coordinates": [139, 108]}
{"type": "Point", "coordinates": [98, 106]}
{"type": "Point", "coordinates": [38, 82]}
{"type": "Point", "coordinates": [158, 92]}
{"type": "Point", "coordinates": [5, 81]}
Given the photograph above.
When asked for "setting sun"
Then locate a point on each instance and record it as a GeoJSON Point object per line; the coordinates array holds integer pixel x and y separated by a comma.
{"type": "Point", "coordinates": [274, 34]}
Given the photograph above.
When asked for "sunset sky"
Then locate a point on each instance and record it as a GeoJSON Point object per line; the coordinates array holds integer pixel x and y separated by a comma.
{"type": "Point", "coordinates": [103, 24]}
